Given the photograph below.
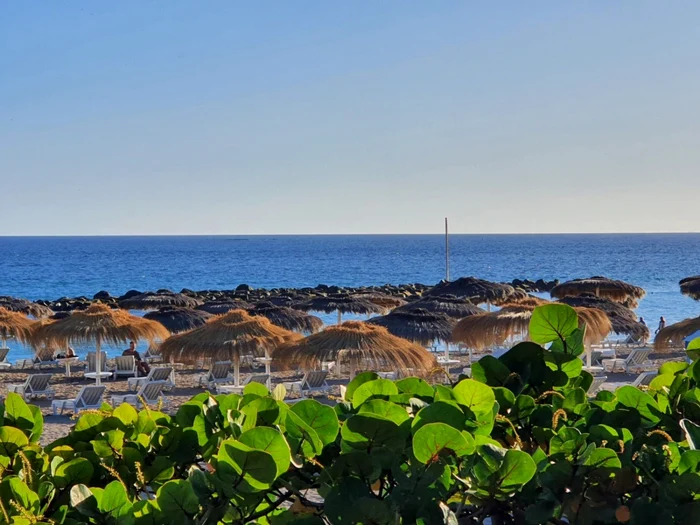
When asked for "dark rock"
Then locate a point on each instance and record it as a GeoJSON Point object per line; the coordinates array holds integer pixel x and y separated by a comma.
{"type": "Point", "coordinates": [102, 295]}
{"type": "Point", "coordinates": [129, 294]}
{"type": "Point", "coordinates": [243, 288]}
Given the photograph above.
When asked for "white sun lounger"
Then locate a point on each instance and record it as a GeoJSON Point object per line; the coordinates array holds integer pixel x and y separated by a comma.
{"type": "Point", "coordinates": [253, 378]}
{"type": "Point", "coordinates": [4, 363]}
{"type": "Point", "coordinates": [162, 373]}
{"type": "Point", "coordinates": [219, 374]}
{"type": "Point", "coordinates": [89, 397]}
{"type": "Point", "coordinates": [125, 365]}
{"type": "Point", "coordinates": [645, 378]}
{"type": "Point", "coordinates": [596, 384]}
{"type": "Point", "coordinates": [634, 361]}
{"type": "Point", "coordinates": [35, 385]}
{"type": "Point", "coordinates": [91, 359]}
{"type": "Point", "coordinates": [151, 393]}
{"type": "Point", "coordinates": [313, 382]}
{"type": "Point", "coordinates": [152, 355]}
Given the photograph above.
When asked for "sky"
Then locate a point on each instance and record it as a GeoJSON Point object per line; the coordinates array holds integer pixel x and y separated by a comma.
{"type": "Point", "coordinates": [283, 117]}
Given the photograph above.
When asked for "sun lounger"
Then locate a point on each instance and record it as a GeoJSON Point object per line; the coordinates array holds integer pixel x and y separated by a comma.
{"type": "Point", "coordinates": [151, 393]}
{"type": "Point", "coordinates": [634, 361]}
{"type": "Point", "coordinates": [253, 378]}
{"type": "Point", "coordinates": [162, 373]}
{"type": "Point", "coordinates": [645, 378]}
{"type": "Point", "coordinates": [596, 384]}
{"type": "Point", "coordinates": [125, 365]}
{"type": "Point", "coordinates": [312, 382]}
{"type": "Point", "coordinates": [4, 363]}
{"type": "Point", "coordinates": [89, 397]}
{"type": "Point", "coordinates": [219, 374]}
{"type": "Point", "coordinates": [36, 385]}
{"type": "Point", "coordinates": [91, 359]}
{"type": "Point", "coordinates": [152, 355]}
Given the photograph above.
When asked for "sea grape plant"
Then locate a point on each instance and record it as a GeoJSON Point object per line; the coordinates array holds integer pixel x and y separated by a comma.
{"type": "Point", "coordinates": [520, 441]}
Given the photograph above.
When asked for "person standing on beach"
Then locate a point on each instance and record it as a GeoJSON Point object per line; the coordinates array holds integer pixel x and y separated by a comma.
{"type": "Point", "coordinates": [641, 321]}
{"type": "Point", "coordinates": [141, 365]}
{"type": "Point", "coordinates": [662, 325]}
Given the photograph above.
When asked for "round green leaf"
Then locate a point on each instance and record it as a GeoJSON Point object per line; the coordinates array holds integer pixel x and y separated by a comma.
{"type": "Point", "coordinates": [357, 381]}
{"type": "Point", "coordinates": [78, 470]}
{"type": "Point", "coordinates": [517, 468]}
{"type": "Point", "coordinates": [126, 414]}
{"type": "Point", "coordinates": [320, 417]}
{"type": "Point", "coordinates": [632, 397]}
{"type": "Point", "coordinates": [176, 501]}
{"type": "Point", "coordinates": [440, 412]}
{"type": "Point", "coordinates": [550, 322]}
{"type": "Point", "coordinates": [238, 462]}
{"type": "Point", "coordinates": [256, 388]}
{"type": "Point", "coordinates": [272, 442]}
{"type": "Point", "coordinates": [11, 440]}
{"type": "Point", "coordinates": [363, 431]}
{"type": "Point", "coordinates": [435, 440]}
{"type": "Point", "coordinates": [385, 409]}
{"type": "Point", "coordinates": [416, 387]}
{"type": "Point", "coordinates": [377, 387]}
{"type": "Point", "coordinates": [478, 397]}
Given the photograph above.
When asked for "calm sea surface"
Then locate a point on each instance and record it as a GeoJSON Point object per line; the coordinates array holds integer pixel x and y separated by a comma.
{"type": "Point", "coordinates": [52, 267]}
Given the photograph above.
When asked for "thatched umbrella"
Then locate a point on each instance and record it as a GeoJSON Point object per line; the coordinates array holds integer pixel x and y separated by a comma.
{"type": "Point", "coordinates": [222, 307]}
{"type": "Point", "coordinates": [445, 304]}
{"type": "Point", "coordinates": [524, 299]}
{"type": "Point", "coordinates": [178, 320]}
{"type": "Point", "coordinates": [476, 290]}
{"type": "Point", "coordinates": [381, 299]}
{"type": "Point", "coordinates": [674, 334]}
{"type": "Point", "coordinates": [14, 324]}
{"type": "Point", "coordinates": [96, 324]}
{"type": "Point", "coordinates": [227, 338]}
{"type": "Point", "coordinates": [417, 325]}
{"type": "Point", "coordinates": [624, 321]}
{"type": "Point", "coordinates": [155, 300]}
{"type": "Point", "coordinates": [356, 341]}
{"type": "Point", "coordinates": [15, 304]}
{"type": "Point", "coordinates": [288, 318]}
{"type": "Point", "coordinates": [690, 286]}
{"type": "Point", "coordinates": [341, 304]}
{"type": "Point", "coordinates": [614, 290]}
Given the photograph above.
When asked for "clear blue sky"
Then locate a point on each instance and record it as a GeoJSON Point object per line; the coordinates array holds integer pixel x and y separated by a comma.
{"type": "Point", "coordinates": [184, 117]}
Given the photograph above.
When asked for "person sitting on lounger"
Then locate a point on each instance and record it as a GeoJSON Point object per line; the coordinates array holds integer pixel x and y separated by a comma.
{"type": "Point", "coordinates": [662, 325]}
{"type": "Point", "coordinates": [141, 366]}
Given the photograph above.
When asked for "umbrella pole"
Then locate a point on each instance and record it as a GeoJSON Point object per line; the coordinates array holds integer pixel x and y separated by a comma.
{"type": "Point", "coordinates": [353, 367]}
{"type": "Point", "coordinates": [237, 369]}
{"type": "Point", "coordinates": [268, 370]}
{"type": "Point", "coordinates": [4, 341]}
{"type": "Point", "coordinates": [340, 316]}
{"type": "Point", "coordinates": [588, 356]}
{"type": "Point", "coordinates": [98, 362]}
{"type": "Point", "coordinates": [447, 351]}
{"type": "Point", "coordinates": [488, 306]}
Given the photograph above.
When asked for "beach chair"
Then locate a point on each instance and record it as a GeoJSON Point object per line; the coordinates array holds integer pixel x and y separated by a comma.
{"type": "Point", "coordinates": [162, 373]}
{"type": "Point", "coordinates": [43, 358]}
{"type": "Point", "coordinates": [36, 385]}
{"type": "Point", "coordinates": [4, 363]}
{"type": "Point", "coordinates": [253, 378]}
{"type": "Point", "coordinates": [124, 365]}
{"type": "Point", "coordinates": [313, 382]}
{"type": "Point", "coordinates": [596, 384]}
{"type": "Point", "coordinates": [343, 391]}
{"type": "Point", "coordinates": [152, 355]}
{"type": "Point", "coordinates": [89, 397]}
{"type": "Point", "coordinates": [634, 361]}
{"type": "Point", "coordinates": [219, 374]}
{"type": "Point", "coordinates": [644, 379]}
{"type": "Point", "coordinates": [151, 393]}
{"type": "Point", "coordinates": [91, 360]}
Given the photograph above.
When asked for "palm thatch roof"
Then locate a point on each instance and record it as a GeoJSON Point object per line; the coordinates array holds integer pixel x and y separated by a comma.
{"type": "Point", "coordinates": [359, 342]}
{"type": "Point", "coordinates": [16, 304]}
{"type": "Point", "coordinates": [222, 307]}
{"type": "Point", "coordinates": [523, 299]}
{"type": "Point", "coordinates": [623, 320]}
{"type": "Point", "coordinates": [614, 290]}
{"type": "Point", "coordinates": [155, 300]}
{"type": "Point", "coordinates": [690, 286]}
{"type": "Point", "coordinates": [226, 337]}
{"type": "Point", "coordinates": [178, 320]}
{"type": "Point", "coordinates": [98, 323]}
{"type": "Point", "coordinates": [381, 299]}
{"type": "Point", "coordinates": [288, 318]}
{"type": "Point", "coordinates": [417, 325]}
{"type": "Point", "coordinates": [340, 303]}
{"type": "Point", "coordinates": [15, 324]}
{"type": "Point", "coordinates": [495, 328]}
{"type": "Point", "coordinates": [476, 290]}
{"type": "Point", "coordinates": [673, 335]}
{"type": "Point", "coordinates": [450, 305]}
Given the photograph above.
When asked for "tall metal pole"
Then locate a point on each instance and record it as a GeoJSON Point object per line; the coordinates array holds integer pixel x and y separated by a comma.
{"type": "Point", "coordinates": [447, 252]}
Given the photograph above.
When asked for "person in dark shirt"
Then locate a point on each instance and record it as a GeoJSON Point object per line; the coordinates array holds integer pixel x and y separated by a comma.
{"type": "Point", "coordinates": [141, 365]}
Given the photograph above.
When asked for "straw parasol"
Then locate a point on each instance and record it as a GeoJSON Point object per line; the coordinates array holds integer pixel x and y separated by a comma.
{"type": "Point", "coordinates": [417, 325]}
{"type": "Point", "coordinates": [623, 320]}
{"type": "Point", "coordinates": [341, 304]}
{"type": "Point", "coordinates": [288, 318]}
{"type": "Point", "coordinates": [381, 299]}
{"type": "Point", "coordinates": [690, 286]}
{"type": "Point", "coordinates": [674, 334]}
{"type": "Point", "coordinates": [14, 324]}
{"type": "Point", "coordinates": [227, 337]}
{"type": "Point", "coordinates": [614, 290]}
{"type": "Point", "coordinates": [356, 341]}
{"type": "Point", "coordinates": [476, 290]}
{"type": "Point", "coordinates": [446, 304]}
{"type": "Point", "coordinates": [155, 300]}
{"type": "Point", "coordinates": [222, 307]}
{"type": "Point", "coordinates": [15, 304]}
{"type": "Point", "coordinates": [178, 320]}
{"type": "Point", "coordinates": [98, 323]}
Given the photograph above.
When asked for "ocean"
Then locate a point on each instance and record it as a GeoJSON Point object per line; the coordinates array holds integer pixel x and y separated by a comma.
{"type": "Point", "coordinates": [53, 267]}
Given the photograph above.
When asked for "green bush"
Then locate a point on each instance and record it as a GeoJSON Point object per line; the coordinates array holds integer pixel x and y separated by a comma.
{"type": "Point", "coordinates": [519, 443]}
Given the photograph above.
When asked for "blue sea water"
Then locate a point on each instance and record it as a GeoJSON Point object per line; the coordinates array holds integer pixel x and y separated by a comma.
{"type": "Point", "coordinates": [52, 267]}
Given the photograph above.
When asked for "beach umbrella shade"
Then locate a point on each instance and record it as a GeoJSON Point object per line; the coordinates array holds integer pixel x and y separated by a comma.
{"type": "Point", "coordinates": [476, 290]}
{"type": "Point", "coordinates": [417, 325]}
{"type": "Point", "coordinates": [225, 338]}
{"type": "Point", "coordinates": [97, 324]}
{"type": "Point", "coordinates": [178, 320]}
{"type": "Point", "coordinates": [15, 325]}
{"type": "Point", "coordinates": [624, 321]}
{"type": "Point", "coordinates": [341, 304]}
{"type": "Point", "coordinates": [15, 304]}
{"type": "Point", "coordinates": [450, 305]}
{"type": "Point", "coordinates": [222, 307]}
{"type": "Point", "coordinates": [288, 318]}
{"type": "Point", "coordinates": [356, 342]}
{"type": "Point", "coordinates": [690, 286]}
{"type": "Point", "coordinates": [381, 299]}
{"type": "Point", "coordinates": [674, 335]}
{"type": "Point", "coordinates": [614, 290]}
{"type": "Point", "coordinates": [156, 300]}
